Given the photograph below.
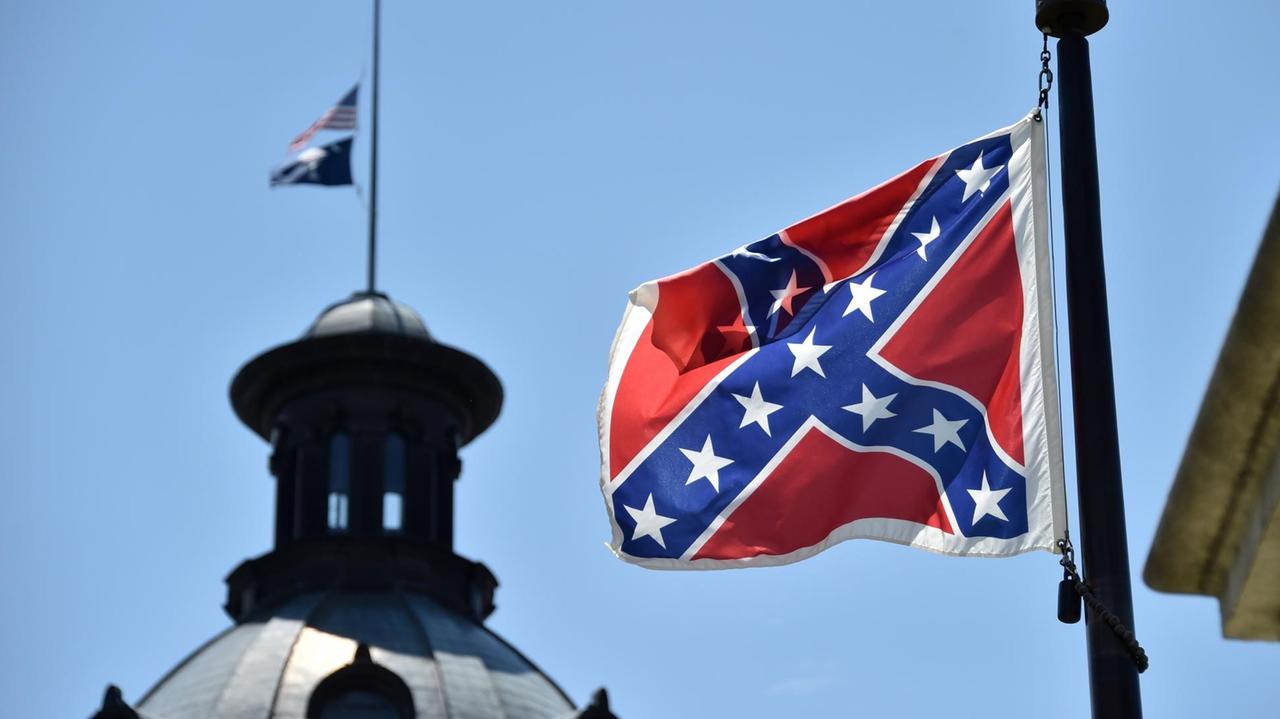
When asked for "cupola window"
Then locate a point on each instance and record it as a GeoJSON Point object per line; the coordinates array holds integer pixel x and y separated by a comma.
{"type": "Point", "coordinates": [393, 474]}
{"type": "Point", "coordinates": [339, 480]}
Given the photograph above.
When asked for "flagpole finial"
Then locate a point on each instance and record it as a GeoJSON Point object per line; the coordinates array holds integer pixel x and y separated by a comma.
{"type": "Point", "coordinates": [1077, 17]}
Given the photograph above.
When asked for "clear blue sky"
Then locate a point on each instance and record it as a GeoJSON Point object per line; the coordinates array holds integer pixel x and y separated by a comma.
{"type": "Point", "coordinates": [540, 160]}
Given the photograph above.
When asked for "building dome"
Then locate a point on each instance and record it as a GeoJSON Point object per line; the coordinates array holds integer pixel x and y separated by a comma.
{"type": "Point", "coordinates": [338, 654]}
{"type": "Point", "coordinates": [368, 312]}
{"type": "Point", "coordinates": [361, 610]}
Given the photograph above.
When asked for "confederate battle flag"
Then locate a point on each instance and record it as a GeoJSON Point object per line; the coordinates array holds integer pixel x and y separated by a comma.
{"type": "Point", "coordinates": [881, 370]}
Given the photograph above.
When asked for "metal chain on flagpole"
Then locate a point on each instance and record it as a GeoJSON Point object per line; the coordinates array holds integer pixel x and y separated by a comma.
{"type": "Point", "coordinates": [1046, 80]}
{"type": "Point", "coordinates": [1126, 635]}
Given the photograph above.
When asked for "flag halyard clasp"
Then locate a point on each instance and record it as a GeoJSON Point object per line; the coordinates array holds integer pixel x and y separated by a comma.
{"type": "Point", "coordinates": [1045, 81]}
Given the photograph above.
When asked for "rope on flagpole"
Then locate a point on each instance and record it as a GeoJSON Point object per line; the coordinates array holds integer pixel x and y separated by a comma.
{"type": "Point", "coordinates": [1126, 635]}
{"type": "Point", "coordinates": [1046, 84]}
{"type": "Point", "coordinates": [1072, 588]}
{"type": "Point", "coordinates": [1068, 598]}
{"type": "Point", "coordinates": [1041, 116]}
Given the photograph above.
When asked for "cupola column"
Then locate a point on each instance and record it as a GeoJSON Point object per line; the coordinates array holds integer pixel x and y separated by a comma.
{"type": "Point", "coordinates": [311, 478]}
{"type": "Point", "coordinates": [367, 477]}
{"type": "Point", "coordinates": [284, 467]}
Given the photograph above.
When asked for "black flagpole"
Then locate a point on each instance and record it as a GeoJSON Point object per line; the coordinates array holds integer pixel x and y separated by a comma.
{"type": "Point", "coordinates": [373, 159]}
{"type": "Point", "coordinates": [1113, 676]}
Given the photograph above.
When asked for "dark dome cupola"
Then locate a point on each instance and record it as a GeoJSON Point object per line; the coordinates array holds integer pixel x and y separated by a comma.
{"type": "Point", "coordinates": [365, 414]}
{"type": "Point", "coordinates": [362, 609]}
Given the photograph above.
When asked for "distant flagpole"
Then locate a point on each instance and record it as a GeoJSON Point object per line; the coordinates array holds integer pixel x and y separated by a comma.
{"type": "Point", "coordinates": [1113, 673]}
{"type": "Point", "coordinates": [373, 158]}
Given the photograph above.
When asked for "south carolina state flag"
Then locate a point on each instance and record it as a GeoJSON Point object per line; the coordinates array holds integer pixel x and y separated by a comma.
{"type": "Point", "coordinates": [883, 370]}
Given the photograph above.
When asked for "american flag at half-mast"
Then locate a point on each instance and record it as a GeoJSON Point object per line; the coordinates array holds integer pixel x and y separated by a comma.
{"type": "Point", "coordinates": [339, 117]}
{"type": "Point", "coordinates": [881, 370]}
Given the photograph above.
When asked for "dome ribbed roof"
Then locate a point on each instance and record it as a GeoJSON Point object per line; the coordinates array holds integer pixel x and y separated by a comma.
{"type": "Point", "coordinates": [266, 668]}
{"type": "Point", "coordinates": [368, 312]}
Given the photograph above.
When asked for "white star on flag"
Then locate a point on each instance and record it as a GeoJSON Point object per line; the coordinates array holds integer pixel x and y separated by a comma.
{"type": "Point", "coordinates": [648, 522]}
{"type": "Point", "coordinates": [872, 408]}
{"type": "Point", "coordinates": [862, 295]}
{"type": "Point", "coordinates": [757, 410]}
{"type": "Point", "coordinates": [927, 237]}
{"type": "Point", "coordinates": [977, 178]}
{"type": "Point", "coordinates": [944, 431]}
{"type": "Point", "coordinates": [782, 298]}
{"type": "Point", "coordinates": [706, 465]}
{"type": "Point", "coordinates": [986, 501]}
{"type": "Point", "coordinates": [807, 354]}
